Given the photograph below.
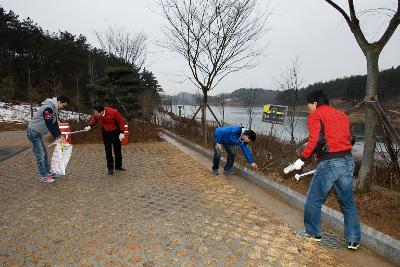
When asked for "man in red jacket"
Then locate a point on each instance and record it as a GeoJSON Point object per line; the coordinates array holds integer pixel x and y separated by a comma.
{"type": "Point", "coordinates": [331, 141]}
{"type": "Point", "coordinates": [112, 125]}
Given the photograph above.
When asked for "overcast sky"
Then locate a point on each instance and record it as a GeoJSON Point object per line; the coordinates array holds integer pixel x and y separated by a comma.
{"type": "Point", "coordinates": [309, 29]}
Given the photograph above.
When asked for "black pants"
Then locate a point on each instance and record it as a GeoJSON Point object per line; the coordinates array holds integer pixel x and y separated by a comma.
{"type": "Point", "coordinates": [112, 139]}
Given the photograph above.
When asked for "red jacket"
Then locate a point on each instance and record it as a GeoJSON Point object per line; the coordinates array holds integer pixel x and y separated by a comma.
{"type": "Point", "coordinates": [330, 134]}
{"type": "Point", "coordinates": [111, 120]}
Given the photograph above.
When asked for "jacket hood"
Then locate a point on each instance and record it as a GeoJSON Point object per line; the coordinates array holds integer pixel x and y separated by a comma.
{"type": "Point", "coordinates": [51, 101]}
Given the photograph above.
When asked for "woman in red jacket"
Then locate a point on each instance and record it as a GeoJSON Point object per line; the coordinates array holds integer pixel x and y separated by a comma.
{"type": "Point", "coordinates": [112, 125]}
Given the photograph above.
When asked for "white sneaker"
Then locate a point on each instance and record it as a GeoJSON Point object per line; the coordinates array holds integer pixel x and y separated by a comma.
{"type": "Point", "coordinates": [47, 179]}
{"type": "Point", "coordinates": [353, 245]}
{"type": "Point", "coordinates": [303, 234]}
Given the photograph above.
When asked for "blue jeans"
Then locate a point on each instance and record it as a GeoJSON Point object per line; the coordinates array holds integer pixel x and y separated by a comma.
{"type": "Point", "coordinates": [337, 172]}
{"type": "Point", "coordinates": [40, 152]}
{"type": "Point", "coordinates": [229, 161]}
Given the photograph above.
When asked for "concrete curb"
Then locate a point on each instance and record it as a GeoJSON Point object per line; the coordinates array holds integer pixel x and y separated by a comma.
{"type": "Point", "coordinates": [371, 238]}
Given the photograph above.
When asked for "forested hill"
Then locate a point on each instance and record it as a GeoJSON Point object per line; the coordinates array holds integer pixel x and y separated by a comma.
{"type": "Point", "coordinates": [36, 64]}
{"type": "Point", "coordinates": [351, 88]}
{"type": "Point", "coordinates": [260, 97]}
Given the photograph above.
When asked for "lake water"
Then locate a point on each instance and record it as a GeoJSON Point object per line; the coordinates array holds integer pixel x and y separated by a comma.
{"type": "Point", "coordinates": [238, 116]}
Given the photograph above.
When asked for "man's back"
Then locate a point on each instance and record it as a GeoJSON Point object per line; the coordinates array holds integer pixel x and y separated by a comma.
{"type": "Point", "coordinates": [329, 131]}
{"type": "Point", "coordinates": [228, 135]}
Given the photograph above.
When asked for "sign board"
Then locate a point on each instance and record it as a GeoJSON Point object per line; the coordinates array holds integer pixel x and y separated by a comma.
{"type": "Point", "coordinates": [274, 114]}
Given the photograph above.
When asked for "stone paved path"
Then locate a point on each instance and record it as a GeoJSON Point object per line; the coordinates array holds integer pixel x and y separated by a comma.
{"type": "Point", "coordinates": [166, 210]}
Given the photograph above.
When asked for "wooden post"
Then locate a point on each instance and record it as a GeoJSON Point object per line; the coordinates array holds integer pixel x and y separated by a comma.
{"type": "Point", "coordinates": [195, 114]}
{"type": "Point", "coordinates": [215, 117]}
{"type": "Point", "coordinates": [389, 146]}
{"type": "Point", "coordinates": [388, 124]}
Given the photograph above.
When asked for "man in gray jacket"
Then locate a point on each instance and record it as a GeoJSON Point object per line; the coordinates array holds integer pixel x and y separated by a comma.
{"type": "Point", "coordinates": [44, 121]}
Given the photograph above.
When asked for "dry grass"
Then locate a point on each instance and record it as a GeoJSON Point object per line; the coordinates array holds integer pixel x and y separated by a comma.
{"type": "Point", "coordinates": [13, 126]}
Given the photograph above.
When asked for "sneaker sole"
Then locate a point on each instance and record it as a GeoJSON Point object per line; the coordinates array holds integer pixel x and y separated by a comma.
{"type": "Point", "coordinates": [309, 237]}
{"type": "Point", "coordinates": [353, 248]}
{"type": "Point", "coordinates": [48, 182]}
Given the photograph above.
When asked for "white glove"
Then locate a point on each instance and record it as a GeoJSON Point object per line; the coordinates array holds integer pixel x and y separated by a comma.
{"type": "Point", "coordinates": [87, 128]}
{"type": "Point", "coordinates": [121, 136]}
{"type": "Point", "coordinates": [295, 166]}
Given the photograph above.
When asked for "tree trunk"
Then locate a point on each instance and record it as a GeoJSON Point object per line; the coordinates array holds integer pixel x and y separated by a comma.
{"type": "Point", "coordinates": [250, 120]}
{"type": "Point", "coordinates": [30, 91]}
{"type": "Point", "coordinates": [292, 140]}
{"type": "Point", "coordinates": [79, 100]}
{"type": "Point", "coordinates": [223, 115]}
{"type": "Point", "coordinates": [371, 121]}
{"type": "Point", "coordinates": [203, 115]}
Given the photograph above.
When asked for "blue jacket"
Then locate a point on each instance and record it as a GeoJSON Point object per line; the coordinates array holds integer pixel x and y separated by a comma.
{"type": "Point", "coordinates": [230, 135]}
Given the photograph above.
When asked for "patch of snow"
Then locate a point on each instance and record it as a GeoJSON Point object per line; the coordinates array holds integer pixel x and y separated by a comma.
{"type": "Point", "coordinates": [21, 113]}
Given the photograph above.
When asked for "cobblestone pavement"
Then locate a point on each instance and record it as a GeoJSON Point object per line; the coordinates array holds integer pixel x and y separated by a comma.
{"type": "Point", "coordinates": [165, 210]}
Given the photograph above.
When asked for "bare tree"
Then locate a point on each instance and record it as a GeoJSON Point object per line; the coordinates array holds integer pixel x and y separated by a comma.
{"type": "Point", "coordinates": [165, 100]}
{"type": "Point", "coordinates": [372, 51]}
{"type": "Point", "coordinates": [130, 47]}
{"type": "Point", "coordinates": [54, 83]}
{"type": "Point", "coordinates": [219, 102]}
{"type": "Point", "coordinates": [76, 78]}
{"type": "Point", "coordinates": [195, 102]}
{"type": "Point", "coordinates": [248, 102]}
{"type": "Point", "coordinates": [216, 38]}
{"type": "Point", "coordinates": [291, 83]}
{"type": "Point", "coordinates": [30, 91]}
{"type": "Point", "coordinates": [7, 89]}
{"type": "Point", "coordinates": [148, 103]}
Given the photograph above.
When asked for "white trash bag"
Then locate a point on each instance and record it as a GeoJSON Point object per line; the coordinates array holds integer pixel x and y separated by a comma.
{"type": "Point", "coordinates": [61, 155]}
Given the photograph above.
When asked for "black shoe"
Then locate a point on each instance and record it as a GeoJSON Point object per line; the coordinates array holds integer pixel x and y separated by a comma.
{"type": "Point", "coordinates": [110, 172]}
{"type": "Point", "coordinates": [120, 169]}
{"type": "Point", "coordinates": [353, 245]}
